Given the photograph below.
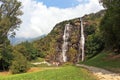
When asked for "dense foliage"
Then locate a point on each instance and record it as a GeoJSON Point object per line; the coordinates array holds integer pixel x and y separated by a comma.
{"type": "Point", "coordinates": [110, 24]}
{"type": "Point", "coordinates": [9, 21]}
{"type": "Point", "coordinates": [27, 50]}
{"type": "Point", "coordinates": [94, 42]}
{"type": "Point", "coordinates": [94, 45]}
{"type": "Point", "coordinates": [19, 63]}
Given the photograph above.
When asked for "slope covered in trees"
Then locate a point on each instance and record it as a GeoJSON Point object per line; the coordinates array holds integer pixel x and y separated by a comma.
{"type": "Point", "coordinates": [110, 34]}
{"type": "Point", "coordinates": [110, 24]}
{"type": "Point", "coordinates": [51, 45]}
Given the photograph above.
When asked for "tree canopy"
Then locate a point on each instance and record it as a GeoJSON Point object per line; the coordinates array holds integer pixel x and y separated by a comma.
{"type": "Point", "coordinates": [9, 16]}
{"type": "Point", "coordinates": [9, 21]}
{"type": "Point", "coordinates": [110, 24]}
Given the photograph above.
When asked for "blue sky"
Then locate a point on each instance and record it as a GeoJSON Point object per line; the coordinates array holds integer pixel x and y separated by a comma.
{"type": "Point", "coordinates": [63, 3]}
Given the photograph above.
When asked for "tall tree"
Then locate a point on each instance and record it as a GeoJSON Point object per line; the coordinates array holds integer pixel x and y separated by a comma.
{"type": "Point", "coordinates": [9, 21]}
{"type": "Point", "coordinates": [9, 16]}
{"type": "Point", "coordinates": [110, 24]}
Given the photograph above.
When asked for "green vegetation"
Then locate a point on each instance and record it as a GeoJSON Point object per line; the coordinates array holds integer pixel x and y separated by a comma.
{"type": "Point", "coordinates": [38, 59]}
{"type": "Point", "coordinates": [101, 30]}
{"type": "Point", "coordinates": [27, 50]}
{"type": "Point", "coordinates": [107, 33]}
{"type": "Point", "coordinates": [106, 60]}
{"type": "Point", "coordinates": [110, 25]}
{"type": "Point", "coordinates": [9, 21]}
{"type": "Point", "coordinates": [94, 43]}
{"type": "Point", "coordinates": [63, 73]}
{"type": "Point", "coordinates": [19, 63]}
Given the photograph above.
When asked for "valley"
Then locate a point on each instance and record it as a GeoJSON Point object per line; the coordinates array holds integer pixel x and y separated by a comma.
{"type": "Point", "coordinates": [77, 47]}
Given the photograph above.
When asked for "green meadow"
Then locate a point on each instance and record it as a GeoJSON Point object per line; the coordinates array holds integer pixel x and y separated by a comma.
{"type": "Point", "coordinates": [62, 73]}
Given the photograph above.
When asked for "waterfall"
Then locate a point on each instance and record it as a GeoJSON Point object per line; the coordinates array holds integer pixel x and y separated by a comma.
{"type": "Point", "coordinates": [82, 40]}
{"type": "Point", "coordinates": [65, 43]}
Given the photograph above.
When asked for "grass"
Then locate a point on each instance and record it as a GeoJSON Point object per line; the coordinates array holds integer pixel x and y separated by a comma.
{"type": "Point", "coordinates": [104, 60]}
{"type": "Point", "coordinates": [63, 73]}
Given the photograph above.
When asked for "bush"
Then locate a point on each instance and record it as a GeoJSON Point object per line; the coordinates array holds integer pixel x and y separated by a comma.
{"type": "Point", "coordinates": [94, 44]}
{"type": "Point", "coordinates": [19, 63]}
{"type": "Point", "coordinates": [90, 29]}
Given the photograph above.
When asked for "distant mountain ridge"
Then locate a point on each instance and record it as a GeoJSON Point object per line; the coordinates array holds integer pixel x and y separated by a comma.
{"type": "Point", "coordinates": [15, 41]}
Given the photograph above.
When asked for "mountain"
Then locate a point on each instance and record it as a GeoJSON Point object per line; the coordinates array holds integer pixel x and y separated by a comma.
{"type": "Point", "coordinates": [15, 41]}
{"type": "Point", "coordinates": [63, 43]}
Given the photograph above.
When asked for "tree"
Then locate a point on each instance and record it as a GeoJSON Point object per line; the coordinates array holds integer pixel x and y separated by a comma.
{"type": "Point", "coordinates": [110, 24]}
{"type": "Point", "coordinates": [5, 57]}
{"type": "Point", "coordinates": [9, 21]}
{"type": "Point", "coordinates": [28, 50]}
{"type": "Point", "coordinates": [94, 44]}
{"type": "Point", "coordinates": [90, 29]}
{"type": "Point", "coordinates": [19, 63]}
{"type": "Point", "coordinates": [9, 16]}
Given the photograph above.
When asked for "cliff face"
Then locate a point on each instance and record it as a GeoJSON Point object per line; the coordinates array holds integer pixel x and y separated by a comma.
{"type": "Point", "coordinates": [73, 41]}
{"type": "Point", "coordinates": [52, 45]}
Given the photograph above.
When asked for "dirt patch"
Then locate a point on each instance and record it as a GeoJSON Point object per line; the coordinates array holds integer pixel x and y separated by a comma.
{"type": "Point", "coordinates": [112, 57]}
{"type": "Point", "coordinates": [5, 73]}
{"type": "Point", "coordinates": [116, 57]}
{"type": "Point", "coordinates": [34, 69]}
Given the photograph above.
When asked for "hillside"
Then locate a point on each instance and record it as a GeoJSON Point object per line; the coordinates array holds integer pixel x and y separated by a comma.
{"type": "Point", "coordinates": [83, 48]}
{"type": "Point", "coordinates": [106, 60]}
{"type": "Point", "coordinates": [52, 44]}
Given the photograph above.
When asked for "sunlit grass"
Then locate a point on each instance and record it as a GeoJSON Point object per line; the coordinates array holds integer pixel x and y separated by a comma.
{"type": "Point", "coordinates": [62, 73]}
{"type": "Point", "coordinates": [103, 60]}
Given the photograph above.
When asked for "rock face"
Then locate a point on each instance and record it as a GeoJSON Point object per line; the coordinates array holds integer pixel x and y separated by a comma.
{"type": "Point", "coordinates": [62, 44]}
{"type": "Point", "coordinates": [67, 40]}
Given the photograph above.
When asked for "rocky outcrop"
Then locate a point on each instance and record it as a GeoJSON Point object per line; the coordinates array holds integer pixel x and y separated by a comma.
{"type": "Point", "coordinates": [52, 44]}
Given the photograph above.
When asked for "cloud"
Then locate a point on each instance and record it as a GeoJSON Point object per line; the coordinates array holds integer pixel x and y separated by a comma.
{"type": "Point", "coordinates": [38, 19]}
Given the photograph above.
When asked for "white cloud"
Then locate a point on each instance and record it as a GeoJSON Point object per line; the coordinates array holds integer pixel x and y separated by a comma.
{"type": "Point", "coordinates": [39, 19]}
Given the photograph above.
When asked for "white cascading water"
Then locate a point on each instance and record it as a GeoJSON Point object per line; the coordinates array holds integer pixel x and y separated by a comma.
{"type": "Point", "coordinates": [82, 40]}
{"type": "Point", "coordinates": [65, 43]}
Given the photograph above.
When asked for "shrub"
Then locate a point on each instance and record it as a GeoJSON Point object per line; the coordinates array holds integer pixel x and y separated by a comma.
{"type": "Point", "coordinates": [19, 63]}
{"type": "Point", "coordinates": [94, 45]}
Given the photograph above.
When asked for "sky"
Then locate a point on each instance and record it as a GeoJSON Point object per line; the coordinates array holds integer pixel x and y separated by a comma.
{"type": "Point", "coordinates": [40, 16]}
{"type": "Point", "coordinates": [62, 3]}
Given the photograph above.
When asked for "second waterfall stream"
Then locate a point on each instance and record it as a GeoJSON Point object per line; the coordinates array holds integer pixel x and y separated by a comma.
{"type": "Point", "coordinates": [82, 41]}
